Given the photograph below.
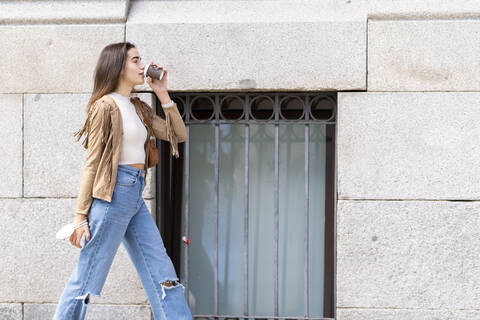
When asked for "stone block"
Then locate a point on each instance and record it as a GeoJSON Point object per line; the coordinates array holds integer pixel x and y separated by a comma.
{"type": "Point", "coordinates": [405, 314]}
{"type": "Point", "coordinates": [414, 255]}
{"type": "Point", "coordinates": [52, 58]}
{"type": "Point", "coordinates": [404, 145]}
{"type": "Point", "coordinates": [253, 45]}
{"type": "Point", "coordinates": [11, 311]}
{"type": "Point", "coordinates": [428, 9]}
{"type": "Point", "coordinates": [54, 160]}
{"type": "Point", "coordinates": [36, 266]}
{"type": "Point", "coordinates": [423, 55]}
{"type": "Point", "coordinates": [66, 11]}
{"type": "Point", "coordinates": [11, 135]}
{"type": "Point", "coordinates": [95, 311]}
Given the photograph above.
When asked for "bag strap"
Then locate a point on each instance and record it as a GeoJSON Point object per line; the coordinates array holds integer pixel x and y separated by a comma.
{"type": "Point", "coordinates": [146, 121]}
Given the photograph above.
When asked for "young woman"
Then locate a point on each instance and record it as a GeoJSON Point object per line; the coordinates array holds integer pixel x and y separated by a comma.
{"type": "Point", "coordinates": [110, 207]}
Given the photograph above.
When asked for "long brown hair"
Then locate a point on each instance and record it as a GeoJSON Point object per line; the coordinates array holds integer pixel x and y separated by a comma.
{"type": "Point", "coordinates": [106, 76]}
{"type": "Point", "coordinates": [107, 71]}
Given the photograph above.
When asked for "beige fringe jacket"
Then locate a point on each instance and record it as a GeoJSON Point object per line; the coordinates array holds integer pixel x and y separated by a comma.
{"type": "Point", "coordinates": [103, 130]}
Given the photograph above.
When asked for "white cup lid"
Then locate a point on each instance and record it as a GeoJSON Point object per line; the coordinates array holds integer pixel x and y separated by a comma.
{"type": "Point", "coordinates": [145, 70]}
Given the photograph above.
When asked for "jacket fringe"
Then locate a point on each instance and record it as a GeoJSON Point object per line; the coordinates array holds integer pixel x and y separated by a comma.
{"type": "Point", "coordinates": [85, 128]}
{"type": "Point", "coordinates": [107, 138]}
{"type": "Point", "coordinates": [171, 135]}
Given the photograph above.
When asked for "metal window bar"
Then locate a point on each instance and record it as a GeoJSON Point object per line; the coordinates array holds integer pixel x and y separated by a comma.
{"type": "Point", "coordinates": [245, 225]}
{"type": "Point", "coordinates": [324, 112]}
{"type": "Point", "coordinates": [217, 142]}
{"type": "Point", "coordinates": [306, 199]}
{"type": "Point", "coordinates": [275, 217]}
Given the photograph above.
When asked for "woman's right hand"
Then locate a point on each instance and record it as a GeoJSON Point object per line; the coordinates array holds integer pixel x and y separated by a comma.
{"type": "Point", "coordinates": [77, 233]}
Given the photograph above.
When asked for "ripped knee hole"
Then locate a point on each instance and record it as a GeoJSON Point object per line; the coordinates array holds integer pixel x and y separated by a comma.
{"type": "Point", "coordinates": [86, 297]}
{"type": "Point", "coordinates": [169, 283]}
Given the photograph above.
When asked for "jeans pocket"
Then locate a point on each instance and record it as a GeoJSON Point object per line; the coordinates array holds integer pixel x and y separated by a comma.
{"type": "Point", "coordinates": [91, 230]}
{"type": "Point", "coordinates": [96, 218]}
{"type": "Point", "coordinates": [126, 180]}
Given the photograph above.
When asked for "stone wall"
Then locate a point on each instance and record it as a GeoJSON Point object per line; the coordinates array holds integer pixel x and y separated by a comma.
{"type": "Point", "coordinates": [407, 72]}
{"type": "Point", "coordinates": [408, 216]}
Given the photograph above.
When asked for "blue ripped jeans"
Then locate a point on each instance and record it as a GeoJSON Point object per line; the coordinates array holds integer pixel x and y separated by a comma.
{"type": "Point", "coordinates": [127, 220]}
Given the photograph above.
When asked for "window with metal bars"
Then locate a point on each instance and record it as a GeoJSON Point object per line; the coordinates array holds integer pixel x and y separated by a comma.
{"type": "Point", "coordinates": [254, 192]}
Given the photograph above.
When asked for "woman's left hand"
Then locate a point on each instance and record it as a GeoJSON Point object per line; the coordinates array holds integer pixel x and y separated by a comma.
{"type": "Point", "coordinates": [158, 85]}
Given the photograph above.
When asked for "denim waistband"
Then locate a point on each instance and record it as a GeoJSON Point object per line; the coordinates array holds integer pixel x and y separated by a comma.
{"type": "Point", "coordinates": [133, 170]}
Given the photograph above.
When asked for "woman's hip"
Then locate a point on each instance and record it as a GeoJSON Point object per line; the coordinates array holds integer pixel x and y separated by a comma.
{"type": "Point", "coordinates": [129, 180]}
{"type": "Point", "coordinates": [126, 197]}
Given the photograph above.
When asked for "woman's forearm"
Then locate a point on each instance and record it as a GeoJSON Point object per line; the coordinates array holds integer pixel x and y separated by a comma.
{"type": "Point", "coordinates": [163, 96]}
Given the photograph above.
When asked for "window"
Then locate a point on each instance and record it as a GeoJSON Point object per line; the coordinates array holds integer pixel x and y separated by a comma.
{"type": "Point", "coordinates": [254, 191]}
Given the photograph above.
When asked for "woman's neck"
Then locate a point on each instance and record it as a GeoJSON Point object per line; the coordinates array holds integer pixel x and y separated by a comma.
{"type": "Point", "coordinates": [124, 90]}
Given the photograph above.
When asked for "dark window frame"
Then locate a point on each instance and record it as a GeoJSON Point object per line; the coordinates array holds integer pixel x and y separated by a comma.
{"type": "Point", "coordinates": [169, 176]}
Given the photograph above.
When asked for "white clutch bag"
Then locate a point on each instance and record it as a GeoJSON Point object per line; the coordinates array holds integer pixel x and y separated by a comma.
{"type": "Point", "coordinates": [66, 231]}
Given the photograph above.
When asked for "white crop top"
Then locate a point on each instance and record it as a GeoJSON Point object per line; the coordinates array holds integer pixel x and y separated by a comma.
{"type": "Point", "coordinates": [134, 132]}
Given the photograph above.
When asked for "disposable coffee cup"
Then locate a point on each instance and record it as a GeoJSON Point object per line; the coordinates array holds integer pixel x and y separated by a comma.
{"type": "Point", "coordinates": [153, 72]}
